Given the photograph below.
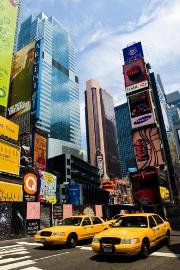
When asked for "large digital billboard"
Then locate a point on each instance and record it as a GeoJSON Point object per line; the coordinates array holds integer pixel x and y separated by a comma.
{"type": "Point", "coordinates": [10, 192]}
{"type": "Point", "coordinates": [40, 150]}
{"type": "Point", "coordinates": [141, 111]}
{"type": "Point", "coordinates": [9, 158]}
{"type": "Point", "coordinates": [21, 81]}
{"type": "Point", "coordinates": [47, 187]}
{"type": "Point", "coordinates": [133, 52]}
{"type": "Point", "coordinates": [147, 147]}
{"type": "Point", "coordinates": [8, 17]}
{"type": "Point", "coordinates": [135, 75]}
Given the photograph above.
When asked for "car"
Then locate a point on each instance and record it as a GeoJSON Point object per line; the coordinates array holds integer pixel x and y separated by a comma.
{"type": "Point", "coordinates": [111, 221]}
{"type": "Point", "coordinates": [132, 234]}
{"type": "Point", "coordinates": [70, 230]}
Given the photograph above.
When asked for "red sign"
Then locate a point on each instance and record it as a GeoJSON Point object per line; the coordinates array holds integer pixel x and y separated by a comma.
{"type": "Point", "coordinates": [135, 75]}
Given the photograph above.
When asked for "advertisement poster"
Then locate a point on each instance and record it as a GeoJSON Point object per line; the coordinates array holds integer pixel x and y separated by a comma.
{"type": "Point", "coordinates": [8, 128]}
{"type": "Point", "coordinates": [47, 187]}
{"type": "Point", "coordinates": [147, 146]}
{"type": "Point", "coordinates": [8, 15]}
{"type": "Point", "coordinates": [30, 187]}
{"type": "Point", "coordinates": [21, 82]}
{"type": "Point", "coordinates": [33, 210]}
{"type": "Point", "coordinates": [46, 215]}
{"type": "Point", "coordinates": [135, 75]}
{"type": "Point", "coordinates": [67, 210]}
{"type": "Point", "coordinates": [40, 151]}
{"type": "Point", "coordinates": [32, 226]}
{"type": "Point", "coordinates": [88, 210]}
{"type": "Point", "coordinates": [99, 212]}
{"type": "Point", "coordinates": [9, 158]}
{"type": "Point", "coordinates": [133, 52]}
{"type": "Point", "coordinates": [145, 187]}
{"type": "Point", "coordinates": [10, 192]}
{"type": "Point", "coordinates": [100, 164]}
{"type": "Point", "coordinates": [164, 186]}
{"type": "Point", "coordinates": [141, 111]}
{"type": "Point", "coordinates": [57, 213]}
{"type": "Point", "coordinates": [74, 194]}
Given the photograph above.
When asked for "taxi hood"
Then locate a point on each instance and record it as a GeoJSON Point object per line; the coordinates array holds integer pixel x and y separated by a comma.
{"type": "Point", "coordinates": [122, 232]}
{"type": "Point", "coordinates": [62, 228]}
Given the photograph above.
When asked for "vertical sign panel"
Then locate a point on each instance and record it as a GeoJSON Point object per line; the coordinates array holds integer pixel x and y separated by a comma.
{"type": "Point", "coordinates": [8, 17]}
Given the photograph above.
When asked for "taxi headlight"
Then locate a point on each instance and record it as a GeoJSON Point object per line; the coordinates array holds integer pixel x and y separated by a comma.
{"type": "Point", "coordinates": [130, 241]}
{"type": "Point", "coordinates": [96, 240]}
{"type": "Point", "coordinates": [58, 233]}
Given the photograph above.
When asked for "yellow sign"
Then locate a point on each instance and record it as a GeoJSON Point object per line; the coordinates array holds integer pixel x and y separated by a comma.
{"type": "Point", "coordinates": [9, 129]}
{"type": "Point", "coordinates": [10, 192]}
{"type": "Point", "coordinates": [52, 199]}
{"type": "Point", "coordinates": [8, 17]}
{"type": "Point", "coordinates": [9, 158]}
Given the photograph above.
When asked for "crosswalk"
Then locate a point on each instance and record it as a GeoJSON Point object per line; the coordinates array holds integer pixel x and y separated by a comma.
{"type": "Point", "coordinates": [17, 257]}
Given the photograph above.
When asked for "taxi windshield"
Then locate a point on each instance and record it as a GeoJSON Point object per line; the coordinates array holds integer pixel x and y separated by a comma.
{"type": "Point", "coordinates": [72, 221]}
{"type": "Point", "coordinates": [133, 221]}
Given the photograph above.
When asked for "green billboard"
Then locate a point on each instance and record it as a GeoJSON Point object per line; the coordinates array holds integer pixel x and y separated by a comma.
{"type": "Point", "coordinates": [8, 18]}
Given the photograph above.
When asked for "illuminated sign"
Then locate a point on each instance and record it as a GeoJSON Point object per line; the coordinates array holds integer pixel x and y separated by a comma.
{"type": "Point", "coordinates": [30, 187]}
{"type": "Point", "coordinates": [133, 52]}
{"type": "Point", "coordinates": [141, 111]}
{"type": "Point", "coordinates": [9, 158]}
{"type": "Point", "coordinates": [147, 146]}
{"type": "Point", "coordinates": [8, 129]}
{"type": "Point", "coordinates": [8, 17]}
{"type": "Point", "coordinates": [10, 192]}
{"type": "Point", "coordinates": [135, 75]}
{"type": "Point", "coordinates": [40, 148]}
{"type": "Point", "coordinates": [47, 190]}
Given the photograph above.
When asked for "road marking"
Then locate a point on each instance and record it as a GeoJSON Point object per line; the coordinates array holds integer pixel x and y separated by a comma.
{"type": "Point", "coordinates": [16, 265]}
{"type": "Point", "coordinates": [12, 251]}
{"type": "Point", "coordinates": [32, 268]}
{"type": "Point", "coordinates": [59, 254]}
{"type": "Point", "coordinates": [13, 259]}
{"type": "Point", "coordinates": [10, 246]}
{"type": "Point", "coordinates": [29, 244]}
{"type": "Point", "coordinates": [86, 248]}
{"type": "Point", "coordinates": [166, 254]}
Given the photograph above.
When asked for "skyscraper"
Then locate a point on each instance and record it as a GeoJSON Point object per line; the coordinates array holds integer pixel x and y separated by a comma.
{"type": "Point", "coordinates": [126, 148]}
{"type": "Point", "coordinates": [58, 108]}
{"type": "Point", "coordinates": [101, 130]}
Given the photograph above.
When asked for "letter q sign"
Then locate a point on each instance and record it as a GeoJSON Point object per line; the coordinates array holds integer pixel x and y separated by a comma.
{"type": "Point", "coordinates": [30, 183]}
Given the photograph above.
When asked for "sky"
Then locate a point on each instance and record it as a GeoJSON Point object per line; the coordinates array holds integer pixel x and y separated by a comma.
{"type": "Point", "coordinates": [100, 29]}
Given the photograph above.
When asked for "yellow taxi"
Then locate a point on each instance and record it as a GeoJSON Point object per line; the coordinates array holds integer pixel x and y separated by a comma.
{"type": "Point", "coordinates": [70, 230]}
{"type": "Point", "coordinates": [132, 234]}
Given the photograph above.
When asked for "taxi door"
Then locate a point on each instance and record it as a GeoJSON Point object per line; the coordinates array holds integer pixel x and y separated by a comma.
{"type": "Point", "coordinates": [98, 225]}
{"type": "Point", "coordinates": [153, 231]}
{"type": "Point", "coordinates": [87, 228]}
{"type": "Point", "coordinates": [161, 226]}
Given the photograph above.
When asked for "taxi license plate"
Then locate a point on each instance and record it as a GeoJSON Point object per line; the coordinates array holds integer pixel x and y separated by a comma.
{"type": "Point", "coordinates": [42, 240]}
{"type": "Point", "coordinates": [107, 249]}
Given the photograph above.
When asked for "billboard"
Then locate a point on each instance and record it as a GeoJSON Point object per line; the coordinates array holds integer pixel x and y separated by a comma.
{"type": "Point", "coordinates": [145, 187]}
{"type": "Point", "coordinates": [141, 111]}
{"type": "Point", "coordinates": [147, 147]}
{"type": "Point", "coordinates": [9, 129]}
{"type": "Point", "coordinates": [47, 187]}
{"type": "Point", "coordinates": [133, 52]}
{"type": "Point", "coordinates": [30, 187]}
{"type": "Point", "coordinates": [8, 15]}
{"type": "Point", "coordinates": [9, 158]}
{"type": "Point", "coordinates": [135, 75]}
{"type": "Point", "coordinates": [10, 192]}
{"type": "Point", "coordinates": [40, 150]}
{"type": "Point", "coordinates": [100, 163]}
{"type": "Point", "coordinates": [74, 193]}
{"type": "Point", "coordinates": [21, 81]}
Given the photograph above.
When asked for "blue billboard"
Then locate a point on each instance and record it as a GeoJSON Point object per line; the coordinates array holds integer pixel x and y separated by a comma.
{"type": "Point", "coordinates": [74, 194]}
{"type": "Point", "coordinates": [133, 52]}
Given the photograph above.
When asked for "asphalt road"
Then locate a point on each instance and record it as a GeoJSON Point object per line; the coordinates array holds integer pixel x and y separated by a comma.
{"type": "Point", "coordinates": [24, 254]}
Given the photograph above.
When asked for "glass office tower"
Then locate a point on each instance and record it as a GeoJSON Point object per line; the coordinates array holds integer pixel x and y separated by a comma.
{"type": "Point", "coordinates": [126, 149]}
{"type": "Point", "coordinates": [58, 107]}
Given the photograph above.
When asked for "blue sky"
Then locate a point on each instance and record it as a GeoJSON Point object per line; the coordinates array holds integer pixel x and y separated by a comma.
{"type": "Point", "coordinates": [101, 28]}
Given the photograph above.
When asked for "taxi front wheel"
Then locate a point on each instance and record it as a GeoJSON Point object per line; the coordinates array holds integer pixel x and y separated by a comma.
{"type": "Point", "coordinates": [71, 241]}
{"type": "Point", "coordinates": [144, 249]}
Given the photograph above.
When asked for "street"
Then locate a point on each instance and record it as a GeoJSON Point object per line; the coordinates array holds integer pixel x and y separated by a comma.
{"type": "Point", "coordinates": [24, 254]}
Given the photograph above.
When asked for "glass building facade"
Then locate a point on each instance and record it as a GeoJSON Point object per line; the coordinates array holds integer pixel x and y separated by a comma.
{"type": "Point", "coordinates": [126, 149]}
{"type": "Point", "coordinates": [58, 107]}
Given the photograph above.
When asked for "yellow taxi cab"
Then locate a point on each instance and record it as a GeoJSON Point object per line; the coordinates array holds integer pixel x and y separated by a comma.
{"type": "Point", "coordinates": [132, 234]}
{"type": "Point", "coordinates": [70, 230]}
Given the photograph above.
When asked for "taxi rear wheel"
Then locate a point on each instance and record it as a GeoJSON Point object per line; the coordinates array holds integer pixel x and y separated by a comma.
{"type": "Point", "coordinates": [71, 241]}
{"type": "Point", "coordinates": [144, 249]}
